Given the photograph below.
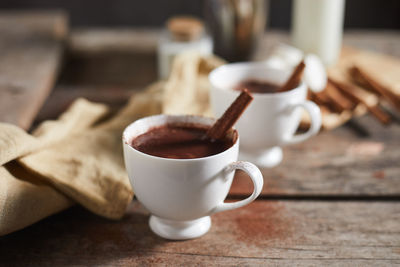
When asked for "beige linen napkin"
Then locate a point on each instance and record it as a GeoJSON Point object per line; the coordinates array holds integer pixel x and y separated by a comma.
{"type": "Point", "coordinates": [78, 158]}
{"type": "Point", "coordinates": [187, 89]}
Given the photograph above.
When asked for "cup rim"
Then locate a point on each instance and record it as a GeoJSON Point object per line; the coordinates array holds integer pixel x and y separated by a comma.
{"type": "Point", "coordinates": [214, 72]}
{"type": "Point", "coordinates": [190, 117]}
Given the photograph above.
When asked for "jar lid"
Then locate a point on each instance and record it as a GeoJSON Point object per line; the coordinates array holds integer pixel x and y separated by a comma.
{"type": "Point", "coordinates": [185, 28]}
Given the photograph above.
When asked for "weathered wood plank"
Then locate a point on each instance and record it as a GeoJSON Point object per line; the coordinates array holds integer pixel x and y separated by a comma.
{"type": "Point", "coordinates": [336, 163]}
{"type": "Point", "coordinates": [113, 57]}
{"type": "Point", "coordinates": [31, 46]}
{"type": "Point", "coordinates": [145, 258]}
{"type": "Point", "coordinates": [386, 42]}
{"type": "Point", "coordinates": [60, 98]}
{"type": "Point", "coordinates": [279, 231]}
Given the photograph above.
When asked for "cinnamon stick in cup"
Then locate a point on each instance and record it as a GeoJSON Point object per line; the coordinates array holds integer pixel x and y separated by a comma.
{"type": "Point", "coordinates": [231, 115]}
{"type": "Point", "coordinates": [294, 79]}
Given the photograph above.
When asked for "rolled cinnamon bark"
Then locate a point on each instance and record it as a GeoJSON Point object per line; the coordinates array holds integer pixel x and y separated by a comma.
{"type": "Point", "coordinates": [230, 116]}
{"type": "Point", "coordinates": [322, 98]}
{"type": "Point", "coordinates": [365, 80]}
{"type": "Point", "coordinates": [294, 79]}
{"type": "Point", "coordinates": [375, 110]}
{"type": "Point", "coordinates": [338, 98]}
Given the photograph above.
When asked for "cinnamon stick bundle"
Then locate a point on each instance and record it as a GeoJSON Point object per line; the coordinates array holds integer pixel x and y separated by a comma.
{"type": "Point", "coordinates": [338, 98]}
{"type": "Point", "coordinates": [375, 110]}
{"type": "Point", "coordinates": [322, 98]}
{"type": "Point", "coordinates": [322, 101]}
{"type": "Point", "coordinates": [365, 80]}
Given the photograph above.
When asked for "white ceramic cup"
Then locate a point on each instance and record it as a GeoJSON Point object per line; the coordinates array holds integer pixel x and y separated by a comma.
{"type": "Point", "coordinates": [181, 194]}
{"type": "Point", "coordinates": [272, 119]}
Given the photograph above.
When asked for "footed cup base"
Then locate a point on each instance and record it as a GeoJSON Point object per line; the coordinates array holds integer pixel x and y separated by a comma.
{"type": "Point", "coordinates": [179, 230]}
{"type": "Point", "coordinates": [268, 158]}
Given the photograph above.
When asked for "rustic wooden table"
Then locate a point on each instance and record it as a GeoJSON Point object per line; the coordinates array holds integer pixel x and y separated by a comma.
{"type": "Point", "coordinates": [334, 200]}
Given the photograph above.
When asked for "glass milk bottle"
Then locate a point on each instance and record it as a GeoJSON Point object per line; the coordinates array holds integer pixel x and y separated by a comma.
{"type": "Point", "coordinates": [183, 33]}
{"type": "Point", "coordinates": [317, 27]}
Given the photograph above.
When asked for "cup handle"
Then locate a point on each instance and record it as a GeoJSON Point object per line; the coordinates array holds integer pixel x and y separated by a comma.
{"type": "Point", "coordinates": [255, 176]}
{"type": "Point", "coordinates": [315, 115]}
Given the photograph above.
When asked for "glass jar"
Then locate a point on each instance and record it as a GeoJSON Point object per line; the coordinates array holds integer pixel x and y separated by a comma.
{"type": "Point", "coordinates": [182, 33]}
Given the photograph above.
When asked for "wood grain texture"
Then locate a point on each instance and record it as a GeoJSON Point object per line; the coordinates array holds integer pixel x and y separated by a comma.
{"type": "Point", "coordinates": [111, 57]}
{"type": "Point", "coordinates": [336, 163]}
{"type": "Point", "coordinates": [31, 46]}
{"type": "Point", "coordinates": [283, 232]}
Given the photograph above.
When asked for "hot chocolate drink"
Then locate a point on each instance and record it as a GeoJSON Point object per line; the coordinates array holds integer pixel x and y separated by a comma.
{"type": "Point", "coordinates": [257, 86]}
{"type": "Point", "coordinates": [180, 141]}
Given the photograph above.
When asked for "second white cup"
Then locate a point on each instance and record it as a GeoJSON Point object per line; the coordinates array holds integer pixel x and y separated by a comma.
{"type": "Point", "coordinates": [272, 119]}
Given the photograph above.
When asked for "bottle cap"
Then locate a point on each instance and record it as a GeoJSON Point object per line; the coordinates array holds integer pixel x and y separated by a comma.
{"type": "Point", "coordinates": [185, 28]}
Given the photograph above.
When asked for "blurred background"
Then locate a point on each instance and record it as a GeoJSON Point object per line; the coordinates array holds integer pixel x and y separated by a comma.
{"type": "Point", "coordinates": [371, 14]}
{"type": "Point", "coordinates": [111, 48]}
